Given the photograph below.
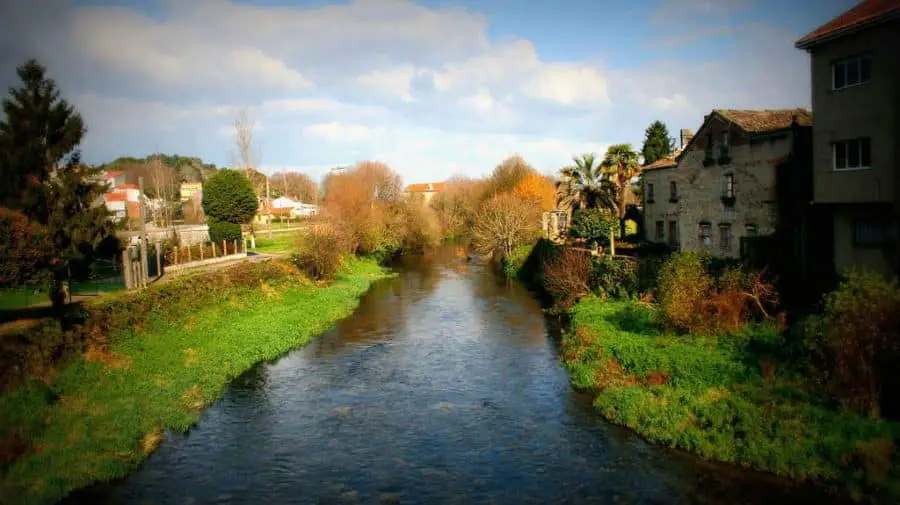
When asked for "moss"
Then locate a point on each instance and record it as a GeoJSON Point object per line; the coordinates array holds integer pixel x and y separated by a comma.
{"type": "Point", "coordinates": [99, 420]}
{"type": "Point", "coordinates": [724, 402]}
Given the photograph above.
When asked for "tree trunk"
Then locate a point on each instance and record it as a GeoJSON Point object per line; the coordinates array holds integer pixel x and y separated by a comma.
{"type": "Point", "coordinates": [59, 290]}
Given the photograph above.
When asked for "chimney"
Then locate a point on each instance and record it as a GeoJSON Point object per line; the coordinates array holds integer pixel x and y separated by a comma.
{"type": "Point", "coordinates": [686, 136]}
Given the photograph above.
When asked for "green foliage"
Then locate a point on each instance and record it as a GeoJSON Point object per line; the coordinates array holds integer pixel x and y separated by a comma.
{"type": "Point", "coordinates": [321, 253]}
{"type": "Point", "coordinates": [615, 277]}
{"type": "Point", "coordinates": [39, 129]}
{"type": "Point", "coordinates": [854, 344]}
{"type": "Point", "coordinates": [722, 399]}
{"type": "Point", "coordinates": [187, 168]}
{"type": "Point", "coordinates": [594, 225]}
{"type": "Point", "coordinates": [657, 142]}
{"type": "Point", "coordinates": [683, 286]}
{"type": "Point", "coordinates": [620, 164]}
{"type": "Point", "coordinates": [219, 231]}
{"type": "Point", "coordinates": [584, 185]}
{"type": "Point", "coordinates": [228, 196]}
{"type": "Point", "coordinates": [25, 249]}
{"type": "Point", "coordinates": [161, 369]}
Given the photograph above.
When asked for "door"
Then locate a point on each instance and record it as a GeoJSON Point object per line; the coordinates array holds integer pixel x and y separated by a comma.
{"type": "Point", "coordinates": [673, 233]}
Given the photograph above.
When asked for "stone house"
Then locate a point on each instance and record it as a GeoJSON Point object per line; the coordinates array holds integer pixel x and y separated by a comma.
{"type": "Point", "coordinates": [425, 190]}
{"type": "Point", "coordinates": [721, 194]}
{"type": "Point", "coordinates": [855, 66]}
{"type": "Point", "coordinates": [659, 213]}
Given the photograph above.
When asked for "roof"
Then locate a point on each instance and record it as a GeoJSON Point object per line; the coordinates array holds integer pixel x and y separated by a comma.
{"type": "Point", "coordinates": [115, 173]}
{"type": "Point", "coordinates": [766, 120]}
{"type": "Point", "coordinates": [279, 210]}
{"type": "Point", "coordinates": [127, 186]}
{"type": "Point", "coordinates": [424, 187]}
{"type": "Point", "coordinates": [667, 162]}
{"type": "Point", "coordinates": [115, 196]}
{"type": "Point", "coordinates": [864, 14]}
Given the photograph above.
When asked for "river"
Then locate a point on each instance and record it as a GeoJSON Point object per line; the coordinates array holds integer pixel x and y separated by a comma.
{"type": "Point", "coordinates": [443, 387]}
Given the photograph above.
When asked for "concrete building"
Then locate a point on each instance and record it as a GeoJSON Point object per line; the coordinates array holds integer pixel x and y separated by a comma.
{"type": "Point", "coordinates": [721, 190]}
{"type": "Point", "coordinates": [855, 66]}
{"type": "Point", "coordinates": [425, 190]}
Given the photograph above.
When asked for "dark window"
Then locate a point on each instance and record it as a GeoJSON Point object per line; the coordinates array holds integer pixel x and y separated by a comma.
{"type": "Point", "coordinates": [852, 154]}
{"type": "Point", "coordinates": [660, 231]}
{"type": "Point", "coordinates": [728, 189]}
{"type": "Point", "coordinates": [751, 230]}
{"type": "Point", "coordinates": [851, 72]}
{"type": "Point", "coordinates": [874, 232]}
{"type": "Point", "coordinates": [673, 190]}
{"type": "Point", "coordinates": [650, 192]}
{"type": "Point", "coordinates": [673, 233]}
{"type": "Point", "coordinates": [725, 237]}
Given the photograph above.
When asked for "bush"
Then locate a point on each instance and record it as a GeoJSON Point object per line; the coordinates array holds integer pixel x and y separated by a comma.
{"type": "Point", "coordinates": [616, 277]}
{"type": "Point", "coordinates": [220, 230]}
{"type": "Point", "coordinates": [321, 252]}
{"type": "Point", "coordinates": [567, 276]}
{"type": "Point", "coordinates": [228, 196]}
{"type": "Point", "coordinates": [682, 289]}
{"type": "Point", "coordinates": [594, 225]}
{"type": "Point", "coordinates": [855, 343]}
{"type": "Point", "coordinates": [25, 249]}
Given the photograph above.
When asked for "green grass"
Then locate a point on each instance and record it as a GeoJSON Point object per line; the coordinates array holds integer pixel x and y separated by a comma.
{"type": "Point", "coordinates": [714, 401]}
{"type": "Point", "coordinates": [280, 243]}
{"type": "Point", "coordinates": [101, 418]}
{"type": "Point", "coordinates": [17, 298]}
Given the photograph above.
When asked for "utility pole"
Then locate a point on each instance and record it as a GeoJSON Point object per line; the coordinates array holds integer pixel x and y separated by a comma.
{"type": "Point", "coordinates": [270, 203]}
{"type": "Point", "coordinates": [144, 241]}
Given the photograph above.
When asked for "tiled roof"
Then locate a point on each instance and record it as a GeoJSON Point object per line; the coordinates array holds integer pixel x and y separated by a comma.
{"type": "Point", "coordinates": [127, 186]}
{"type": "Point", "coordinates": [116, 196]}
{"type": "Point", "coordinates": [114, 174]}
{"type": "Point", "coordinates": [423, 187]}
{"type": "Point", "coordinates": [865, 12]}
{"type": "Point", "coordinates": [761, 121]}
{"type": "Point", "coordinates": [661, 163]}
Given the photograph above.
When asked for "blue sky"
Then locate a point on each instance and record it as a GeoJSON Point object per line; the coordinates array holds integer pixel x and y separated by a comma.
{"type": "Point", "coordinates": [431, 87]}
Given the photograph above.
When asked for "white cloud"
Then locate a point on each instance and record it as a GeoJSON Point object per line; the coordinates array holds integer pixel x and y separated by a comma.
{"type": "Point", "coordinates": [394, 82]}
{"type": "Point", "coordinates": [337, 131]}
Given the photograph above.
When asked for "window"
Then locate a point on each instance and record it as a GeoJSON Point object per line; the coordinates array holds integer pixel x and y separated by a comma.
{"type": "Point", "coordinates": [724, 146]}
{"type": "Point", "coordinates": [851, 72]}
{"type": "Point", "coordinates": [704, 234]}
{"type": "Point", "coordinates": [673, 233]}
{"type": "Point", "coordinates": [855, 154]}
{"type": "Point", "coordinates": [650, 192]}
{"type": "Point", "coordinates": [874, 232]}
{"type": "Point", "coordinates": [728, 187]}
{"type": "Point", "coordinates": [660, 231]}
{"type": "Point", "coordinates": [751, 230]}
{"type": "Point", "coordinates": [673, 191]}
{"type": "Point", "coordinates": [725, 237]}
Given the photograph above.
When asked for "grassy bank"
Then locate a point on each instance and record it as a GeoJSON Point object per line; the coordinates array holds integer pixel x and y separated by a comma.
{"type": "Point", "coordinates": [726, 399]}
{"type": "Point", "coordinates": [281, 243]}
{"type": "Point", "coordinates": [171, 351]}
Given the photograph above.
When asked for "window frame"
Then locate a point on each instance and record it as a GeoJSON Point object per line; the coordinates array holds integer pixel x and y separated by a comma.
{"type": "Point", "coordinates": [660, 230]}
{"type": "Point", "coordinates": [728, 187]}
{"type": "Point", "coordinates": [705, 233]}
{"type": "Point", "coordinates": [725, 233]}
{"type": "Point", "coordinates": [650, 192]}
{"type": "Point", "coordinates": [673, 191]}
{"type": "Point", "coordinates": [861, 141]}
{"type": "Point", "coordinates": [884, 225]}
{"type": "Point", "coordinates": [842, 63]}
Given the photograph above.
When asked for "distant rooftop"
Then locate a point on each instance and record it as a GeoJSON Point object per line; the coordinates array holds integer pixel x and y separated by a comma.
{"type": "Point", "coordinates": [864, 14]}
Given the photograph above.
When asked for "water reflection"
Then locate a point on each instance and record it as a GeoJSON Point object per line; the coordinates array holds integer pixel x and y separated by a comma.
{"type": "Point", "coordinates": [443, 387]}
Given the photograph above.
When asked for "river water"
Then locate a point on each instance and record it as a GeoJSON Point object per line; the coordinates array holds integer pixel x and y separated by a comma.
{"type": "Point", "coordinates": [443, 387]}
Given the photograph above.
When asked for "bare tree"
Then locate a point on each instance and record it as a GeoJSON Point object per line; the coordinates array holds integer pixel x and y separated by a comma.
{"type": "Point", "coordinates": [503, 222]}
{"type": "Point", "coordinates": [243, 139]}
{"type": "Point", "coordinates": [163, 183]}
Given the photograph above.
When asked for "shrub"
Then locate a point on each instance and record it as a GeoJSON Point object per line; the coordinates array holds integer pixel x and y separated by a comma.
{"type": "Point", "coordinates": [594, 225]}
{"type": "Point", "coordinates": [855, 343]}
{"type": "Point", "coordinates": [228, 196]}
{"type": "Point", "coordinates": [420, 226]}
{"type": "Point", "coordinates": [321, 251]}
{"type": "Point", "coordinates": [616, 277]}
{"type": "Point", "coordinates": [220, 230]}
{"type": "Point", "coordinates": [25, 249]}
{"type": "Point", "coordinates": [567, 276]}
{"type": "Point", "coordinates": [504, 222]}
{"type": "Point", "coordinates": [683, 287]}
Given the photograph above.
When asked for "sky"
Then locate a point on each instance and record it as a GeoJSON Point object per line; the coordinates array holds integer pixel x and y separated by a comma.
{"type": "Point", "coordinates": [434, 88]}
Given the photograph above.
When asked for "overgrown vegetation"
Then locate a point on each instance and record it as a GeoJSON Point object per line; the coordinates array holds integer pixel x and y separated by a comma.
{"type": "Point", "coordinates": [152, 360]}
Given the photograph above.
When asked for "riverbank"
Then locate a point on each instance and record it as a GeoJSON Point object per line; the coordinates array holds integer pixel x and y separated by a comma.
{"type": "Point", "coordinates": [169, 352]}
{"type": "Point", "coordinates": [725, 399]}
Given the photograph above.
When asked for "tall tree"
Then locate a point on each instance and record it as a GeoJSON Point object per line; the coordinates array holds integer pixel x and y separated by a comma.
{"type": "Point", "coordinates": [44, 177]}
{"type": "Point", "coordinates": [621, 165]}
{"type": "Point", "coordinates": [585, 186]}
{"type": "Point", "coordinates": [38, 131]}
{"type": "Point", "coordinates": [657, 142]}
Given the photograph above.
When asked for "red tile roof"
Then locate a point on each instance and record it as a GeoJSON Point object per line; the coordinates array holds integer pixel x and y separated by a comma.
{"type": "Point", "coordinates": [769, 120]}
{"type": "Point", "coordinates": [423, 187]}
{"type": "Point", "coordinates": [661, 163]}
{"type": "Point", "coordinates": [116, 196]}
{"type": "Point", "coordinates": [127, 186]}
{"type": "Point", "coordinates": [866, 12]}
{"type": "Point", "coordinates": [114, 174]}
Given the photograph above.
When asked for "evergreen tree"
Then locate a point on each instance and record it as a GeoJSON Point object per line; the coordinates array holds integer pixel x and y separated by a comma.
{"type": "Point", "coordinates": [657, 143]}
{"type": "Point", "coordinates": [43, 177]}
{"type": "Point", "coordinates": [38, 130]}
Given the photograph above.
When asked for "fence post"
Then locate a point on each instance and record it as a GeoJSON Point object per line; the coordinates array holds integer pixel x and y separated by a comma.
{"type": "Point", "coordinates": [253, 242]}
{"type": "Point", "coordinates": [224, 248]}
{"type": "Point", "coordinates": [201, 253]}
{"type": "Point", "coordinates": [189, 254]}
{"type": "Point", "coordinates": [214, 249]}
{"type": "Point", "coordinates": [126, 267]}
{"type": "Point", "coordinates": [145, 267]}
{"type": "Point", "coordinates": [235, 246]}
{"type": "Point", "coordinates": [159, 262]}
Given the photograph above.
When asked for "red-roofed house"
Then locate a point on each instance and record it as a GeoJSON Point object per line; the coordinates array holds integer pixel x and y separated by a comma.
{"type": "Point", "coordinates": [856, 140]}
{"type": "Point", "coordinates": [427, 190]}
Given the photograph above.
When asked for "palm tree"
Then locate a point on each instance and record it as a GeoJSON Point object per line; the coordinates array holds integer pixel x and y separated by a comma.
{"type": "Point", "coordinates": [583, 185]}
{"type": "Point", "coordinates": [621, 165]}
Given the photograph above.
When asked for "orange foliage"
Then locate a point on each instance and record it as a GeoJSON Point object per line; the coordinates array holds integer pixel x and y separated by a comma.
{"type": "Point", "coordinates": [538, 188]}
